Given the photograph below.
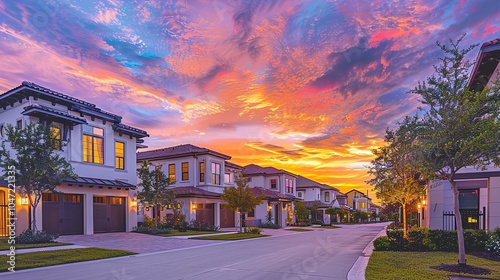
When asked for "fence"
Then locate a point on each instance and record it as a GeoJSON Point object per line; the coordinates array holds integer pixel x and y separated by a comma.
{"type": "Point", "coordinates": [471, 219]}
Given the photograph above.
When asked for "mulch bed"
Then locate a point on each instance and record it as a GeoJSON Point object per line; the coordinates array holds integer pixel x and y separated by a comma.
{"type": "Point", "coordinates": [469, 269]}
{"type": "Point", "coordinates": [486, 255]}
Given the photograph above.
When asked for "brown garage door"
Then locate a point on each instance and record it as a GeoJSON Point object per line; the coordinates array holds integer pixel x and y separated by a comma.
{"type": "Point", "coordinates": [109, 214]}
{"type": "Point", "coordinates": [62, 213]}
{"type": "Point", "coordinates": [226, 217]}
{"type": "Point", "coordinates": [205, 213]}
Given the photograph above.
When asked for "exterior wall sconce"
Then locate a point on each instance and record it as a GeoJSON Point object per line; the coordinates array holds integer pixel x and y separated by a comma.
{"type": "Point", "coordinates": [133, 203]}
{"type": "Point", "coordinates": [419, 206]}
{"type": "Point", "coordinates": [162, 208]}
{"type": "Point", "coordinates": [269, 207]}
{"type": "Point", "coordinates": [147, 208]}
{"type": "Point", "coordinates": [194, 206]}
{"type": "Point", "coordinates": [284, 206]}
{"type": "Point", "coordinates": [424, 202]}
{"type": "Point", "coordinates": [24, 201]}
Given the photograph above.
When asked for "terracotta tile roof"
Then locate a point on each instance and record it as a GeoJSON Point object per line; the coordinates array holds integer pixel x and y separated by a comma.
{"type": "Point", "coordinates": [310, 204]}
{"type": "Point", "coordinates": [303, 182]}
{"type": "Point", "coordinates": [194, 192]}
{"type": "Point", "coordinates": [272, 195]}
{"type": "Point", "coordinates": [233, 165]}
{"type": "Point", "coordinates": [492, 42]}
{"type": "Point", "coordinates": [253, 169]}
{"type": "Point", "coordinates": [176, 151]}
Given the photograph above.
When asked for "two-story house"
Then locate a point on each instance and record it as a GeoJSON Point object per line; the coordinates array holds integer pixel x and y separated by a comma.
{"type": "Point", "coordinates": [198, 176]}
{"type": "Point", "coordinates": [100, 148]}
{"type": "Point", "coordinates": [358, 201]}
{"type": "Point", "coordinates": [479, 190]}
{"type": "Point", "coordinates": [279, 186]}
{"type": "Point", "coordinates": [319, 196]}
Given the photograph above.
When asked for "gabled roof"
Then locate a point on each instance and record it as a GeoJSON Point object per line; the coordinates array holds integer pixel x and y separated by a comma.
{"type": "Point", "coordinates": [178, 151]}
{"type": "Point", "coordinates": [253, 169]}
{"type": "Point", "coordinates": [487, 62]}
{"type": "Point", "coordinates": [272, 195]}
{"type": "Point", "coordinates": [362, 193]}
{"type": "Point", "coordinates": [194, 192]}
{"type": "Point", "coordinates": [319, 204]}
{"type": "Point", "coordinates": [303, 183]}
{"type": "Point", "coordinates": [233, 165]}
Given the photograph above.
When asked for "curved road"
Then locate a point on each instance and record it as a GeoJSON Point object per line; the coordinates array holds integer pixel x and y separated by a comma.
{"type": "Point", "coordinates": [313, 255]}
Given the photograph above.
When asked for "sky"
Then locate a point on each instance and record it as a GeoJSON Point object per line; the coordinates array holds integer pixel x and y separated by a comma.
{"type": "Point", "coordinates": [305, 86]}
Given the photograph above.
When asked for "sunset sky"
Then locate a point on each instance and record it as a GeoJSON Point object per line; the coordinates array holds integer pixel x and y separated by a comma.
{"type": "Point", "coordinates": [306, 86]}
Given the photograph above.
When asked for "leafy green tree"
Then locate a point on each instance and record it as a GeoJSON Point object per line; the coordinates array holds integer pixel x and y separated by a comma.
{"type": "Point", "coordinates": [301, 212]}
{"type": "Point", "coordinates": [241, 198]}
{"type": "Point", "coordinates": [395, 174]}
{"type": "Point", "coordinates": [459, 126]}
{"type": "Point", "coordinates": [334, 212]}
{"type": "Point", "coordinates": [38, 167]}
{"type": "Point", "coordinates": [154, 187]}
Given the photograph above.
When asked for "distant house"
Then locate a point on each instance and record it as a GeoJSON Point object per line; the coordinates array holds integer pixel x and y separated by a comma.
{"type": "Point", "coordinates": [479, 199]}
{"type": "Point", "coordinates": [199, 175]}
{"type": "Point", "coordinates": [101, 149]}
{"type": "Point", "coordinates": [358, 201]}
{"type": "Point", "coordinates": [279, 186]}
{"type": "Point", "coordinates": [319, 196]}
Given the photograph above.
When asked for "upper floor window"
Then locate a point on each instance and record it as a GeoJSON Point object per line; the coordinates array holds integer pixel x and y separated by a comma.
{"type": "Point", "coordinates": [327, 196]}
{"type": "Point", "coordinates": [19, 124]}
{"type": "Point", "coordinates": [119, 155]}
{"type": "Point", "coordinates": [289, 185]}
{"type": "Point", "coordinates": [171, 173]}
{"type": "Point", "coordinates": [299, 194]}
{"type": "Point", "coordinates": [93, 144]}
{"type": "Point", "coordinates": [215, 173]}
{"type": "Point", "coordinates": [227, 178]}
{"type": "Point", "coordinates": [55, 137]}
{"type": "Point", "coordinates": [202, 172]}
{"type": "Point", "coordinates": [185, 171]}
{"type": "Point", "coordinates": [273, 184]}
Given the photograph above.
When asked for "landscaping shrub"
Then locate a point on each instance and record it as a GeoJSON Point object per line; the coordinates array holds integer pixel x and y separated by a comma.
{"type": "Point", "coordinates": [416, 237]}
{"type": "Point", "coordinates": [269, 225]}
{"type": "Point", "coordinates": [252, 230]}
{"type": "Point", "coordinates": [28, 237]}
{"type": "Point", "coordinates": [493, 242]}
{"type": "Point", "coordinates": [442, 240]}
{"type": "Point", "coordinates": [398, 242]}
{"type": "Point", "coordinates": [317, 223]}
{"type": "Point", "coordinates": [475, 240]}
{"type": "Point", "coordinates": [201, 226]}
{"type": "Point", "coordinates": [382, 243]}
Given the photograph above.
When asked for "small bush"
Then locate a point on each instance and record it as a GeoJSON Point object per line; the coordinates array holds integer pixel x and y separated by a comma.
{"type": "Point", "coordinates": [416, 237]}
{"type": "Point", "coordinates": [493, 243]}
{"type": "Point", "coordinates": [442, 240]}
{"type": "Point", "coordinates": [317, 223]}
{"type": "Point", "coordinates": [28, 237]}
{"type": "Point", "coordinates": [398, 242]}
{"type": "Point", "coordinates": [382, 243]}
{"type": "Point", "coordinates": [269, 225]}
{"type": "Point", "coordinates": [201, 226]}
{"type": "Point", "coordinates": [475, 240]}
{"type": "Point", "coordinates": [252, 230]}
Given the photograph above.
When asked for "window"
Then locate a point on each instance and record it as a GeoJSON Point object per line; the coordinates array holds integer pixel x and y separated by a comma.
{"type": "Point", "coordinates": [116, 200]}
{"type": "Point", "coordinates": [2, 130]}
{"type": "Point", "coordinates": [50, 197]}
{"type": "Point", "coordinates": [215, 173]}
{"type": "Point", "coordinates": [55, 137]}
{"type": "Point", "coordinates": [99, 199]}
{"type": "Point", "coordinates": [273, 184]}
{"type": "Point", "coordinates": [71, 198]}
{"type": "Point", "coordinates": [202, 172]}
{"type": "Point", "coordinates": [93, 148]}
{"type": "Point", "coordinates": [289, 185]}
{"type": "Point", "coordinates": [171, 173]}
{"type": "Point", "coordinates": [19, 124]}
{"type": "Point", "coordinates": [299, 194]}
{"type": "Point", "coordinates": [119, 155]}
{"type": "Point", "coordinates": [251, 213]}
{"type": "Point", "coordinates": [185, 171]}
{"type": "Point", "coordinates": [327, 196]}
{"type": "Point", "coordinates": [227, 178]}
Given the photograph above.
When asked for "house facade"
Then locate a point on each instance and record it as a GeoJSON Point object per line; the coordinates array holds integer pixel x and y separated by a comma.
{"type": "Point", "coordinates": [319, 196]}
{"type": "Point", "coordinates": [479, 198]}
{"type": "Point", "coordinates": [198, 176]}
{"type": "Point", "coordinates": [358, 201]}
{"type": "Point", "coordinates": [101, 150]}
{"type": "Point", "coordinates": [279, 187]}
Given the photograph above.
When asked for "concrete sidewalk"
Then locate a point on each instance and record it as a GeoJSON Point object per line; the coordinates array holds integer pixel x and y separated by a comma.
{"type": "Point", "coordinates": [51, 248]}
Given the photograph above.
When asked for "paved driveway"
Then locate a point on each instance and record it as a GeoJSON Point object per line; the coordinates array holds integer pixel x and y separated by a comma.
{"type": "Point", "coordinates": [134, 242]}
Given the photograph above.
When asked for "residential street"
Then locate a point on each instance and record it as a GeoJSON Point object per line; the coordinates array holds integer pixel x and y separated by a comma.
{"type": "Point", "coordinates": [326, 254]}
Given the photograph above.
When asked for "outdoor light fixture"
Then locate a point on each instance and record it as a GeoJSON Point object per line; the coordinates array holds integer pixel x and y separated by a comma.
{"type": "Point", "coordinates": [424, 202]}
{"type": "Point", "coordinates": [419, 206]}
{"type": "Point", "coordinates": [24, 201]}
{"type": "Point", "coordinates": [194, 206]}
{"type": "Point", "coordinates": [147, 208]}
{"type": "Point", "coordinates": [162, 208]}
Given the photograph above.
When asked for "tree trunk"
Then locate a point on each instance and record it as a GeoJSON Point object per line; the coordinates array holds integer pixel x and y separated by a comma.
{"type": "Point", "coordinates": [405, 229]}
{"type": "Point", "coordinates": [458, 220]}
{"type": "Point", "coordinates": [33, 204]}
{"type": "Point", "coordinates": [241, 222]}
{"type": "Point", "coordinates": [156, 212]}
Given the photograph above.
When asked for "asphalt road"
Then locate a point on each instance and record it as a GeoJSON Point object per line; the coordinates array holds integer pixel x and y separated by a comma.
{"type": "Point", "coordinates": [326, 254]}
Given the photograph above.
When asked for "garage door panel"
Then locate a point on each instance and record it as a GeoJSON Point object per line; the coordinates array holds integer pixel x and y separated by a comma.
{"type": "Point", "coordinates": [205, 213]}
{"type": "Point", "coordinates": [109, 214]}
{"type": "Point", "coordinates": [62, 213]}
{"type": "Point", "coordinates": [226, 217]}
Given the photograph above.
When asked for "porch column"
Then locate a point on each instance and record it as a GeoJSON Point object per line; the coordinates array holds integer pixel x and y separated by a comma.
{"type": "Point", "coordinates": [217, 214]}
{"type": "Point", "coordinates": [88, 214]}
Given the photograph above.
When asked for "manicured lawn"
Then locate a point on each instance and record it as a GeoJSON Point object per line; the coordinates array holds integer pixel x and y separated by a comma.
{"type": "Point", "coordinates": [188, 232]}
{"type": "Point", "coordinates": [416, 265]}
{"type": "Point", "coordinates": [234, 236]}
{"type": "Point", "coordinates": [299, 229]}
{"type": "Point", "coordinates": [4, 245]}
{"type": "Point", "coordinates": [48, 258]}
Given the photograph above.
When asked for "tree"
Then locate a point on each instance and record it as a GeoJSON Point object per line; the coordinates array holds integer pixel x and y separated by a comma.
{"type": "Point", "coordinates": [154, 186]}
{"type": "Point", "coordinates": [241, 198]}
{"type": "Point", "coordinates": [459, 127]}
{"type": "Point", "coordinates": [334, 212]}
{"type": "Point", "coordinates": [301, 212]}
{"type": "Point", "coordinates": [38, 167]}
{"type": "Point", "coordinates": [396, 177]}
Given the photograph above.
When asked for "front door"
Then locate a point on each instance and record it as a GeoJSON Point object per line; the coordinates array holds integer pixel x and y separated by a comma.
{"type": "Point", "coordinates": [3, 213]}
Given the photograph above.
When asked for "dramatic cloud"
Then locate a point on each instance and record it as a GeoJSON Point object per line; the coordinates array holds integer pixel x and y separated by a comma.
{"type": "Point", "coordinates": [307, 86]}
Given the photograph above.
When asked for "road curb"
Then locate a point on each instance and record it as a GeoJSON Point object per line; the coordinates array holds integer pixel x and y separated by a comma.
{"type": "Point", "coordinates": [357, 271]}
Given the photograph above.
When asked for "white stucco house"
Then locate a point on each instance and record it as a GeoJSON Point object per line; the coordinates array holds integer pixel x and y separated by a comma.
{"type": "Point", "coordinates": [199, 175]}
{"type": "Point", "coordinates": [279, 187]}
{"type": "Point", "coordinates": [479, 199]}
{"type": "Point", "coordinates": [319, 195]}
{"type": "Point", "coordinates": [102, 151]}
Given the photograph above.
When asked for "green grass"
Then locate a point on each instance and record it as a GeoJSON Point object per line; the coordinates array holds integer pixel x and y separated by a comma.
{"type": "Point", "coordinates": [416, 265]}
{"type": "Point", "coordinates": [4, 245]}
{"type": "Point", "coordinates": [234, 236]}
{"type": "Point", "coordinates": [188, 232]}
{"type": "Point", "coordinates": [299, 229]}
{"type": "Point", "coordinates": [48, 258]}
{"type": "Point", "coordinates": [327, 227]}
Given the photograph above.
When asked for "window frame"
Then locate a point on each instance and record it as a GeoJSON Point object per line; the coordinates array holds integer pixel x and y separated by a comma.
{"type": "Point", "coordinates": [273, 182]}
{"type": "Point", "coordinates": [202, 171]}
{"type": "Point", "coordinates": [185, 173]}
{"type": "Point", "coordinates": [216, 176]}
{"type": "Point", "coordinates": [92, 136]}
{"type": "Point", "coordinates": [227, 175]}
{"type": "Point", "coordinates": [171, 173]}
{"type": "Point", "coordinates": [327, 196]}
{"type": "Point", "coordinates": [56, 142]}
{"type": "Point", "coordinates": [122, 157]}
